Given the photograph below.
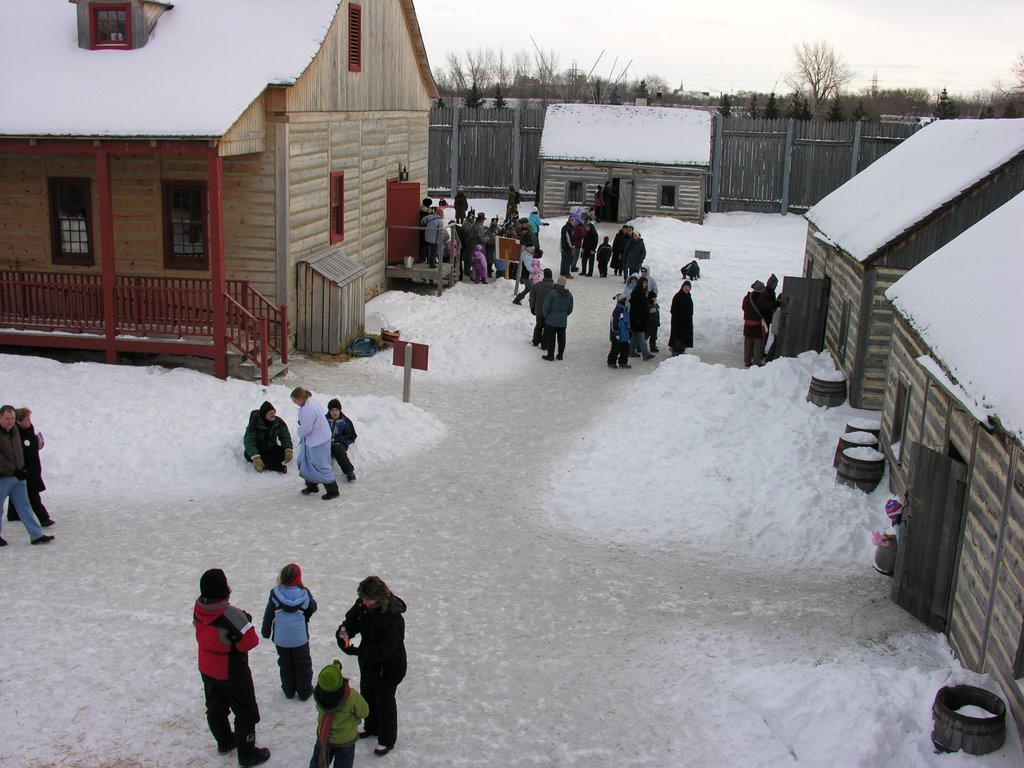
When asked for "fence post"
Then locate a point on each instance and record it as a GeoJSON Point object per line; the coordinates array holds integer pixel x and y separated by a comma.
{"type": "Point", "coordinates": [455, 149]}
{"type": "Point", "coordinates": [716, 170]}
{"type": "Point", "coordinates": [517, 145]}
{"type": "Point", "coordinates": [407, 378]}
{"type": "Point", "coordinates": [855, 150]}
{"type": "Point", "coordinates": [787, 163]}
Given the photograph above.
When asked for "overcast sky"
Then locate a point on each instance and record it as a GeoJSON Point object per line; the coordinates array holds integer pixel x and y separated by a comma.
{"type": "Point", "coordinates": [732, 45]}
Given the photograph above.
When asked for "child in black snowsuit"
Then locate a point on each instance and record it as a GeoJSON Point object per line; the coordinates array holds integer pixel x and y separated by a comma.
{"type": "Point", "coordinates": [653, 321]}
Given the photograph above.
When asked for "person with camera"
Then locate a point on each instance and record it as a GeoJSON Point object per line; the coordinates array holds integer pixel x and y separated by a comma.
{"type": "Point", "coordinates": [14, 477]}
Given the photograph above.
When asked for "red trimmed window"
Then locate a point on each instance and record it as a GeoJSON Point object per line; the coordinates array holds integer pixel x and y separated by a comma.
{"type": "Point", "coordinates": [70, 214]}
{"type": "Point", "coordinates": [110, 25]}
{"type": "Point", "coordinates": [355, 38]}
{"type": "Point", "coordinates": [337, 215]}
{"type": "Point", "coordinates": [185, 225]}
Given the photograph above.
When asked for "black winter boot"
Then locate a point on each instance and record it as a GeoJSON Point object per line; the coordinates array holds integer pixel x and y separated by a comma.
{"type": "Point", "coordinates": [332, 491]}
{"type": "Point", "coordinates": [310, 488]}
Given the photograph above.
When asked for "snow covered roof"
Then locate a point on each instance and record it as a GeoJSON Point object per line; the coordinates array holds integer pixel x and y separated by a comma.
{"type": "Point", "coordinates": [982, 272]}
{"type": "Point", "coordinates": [204, 63]}
{"type": "Point", "coordinates": [605, 133]}
{"type": "Point", "coordinates": [916, 178]}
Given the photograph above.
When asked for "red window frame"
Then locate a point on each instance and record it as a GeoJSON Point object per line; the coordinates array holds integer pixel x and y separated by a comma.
{"type": "Point", "coordinates": [355, 38]}
{"type": "Point", "coordinates": [95, 11]}
{"type": "Point", "coordinates": [61, 224]}
{"type": "Point", "coordinates": [337, 207]}
{"type": "Point", "coordinates": [184, 234]}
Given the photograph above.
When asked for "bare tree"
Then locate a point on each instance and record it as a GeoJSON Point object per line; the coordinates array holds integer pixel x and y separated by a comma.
{"type": "Point", "coordinates": [480, 66]}
{"type": "Point", "coordinates": [1017, 70]}
{"type": "Point", "coordinates": [548, 77]}
{"type": "Point", "coordinates": [656, 84]}
{"type": "Point", "coordinates": [456, 78]}
{"type": "Point", "coordinates": [819, 70]}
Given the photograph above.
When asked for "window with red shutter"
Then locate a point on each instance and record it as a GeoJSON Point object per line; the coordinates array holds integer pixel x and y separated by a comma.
{"type": "Point", "coordinates": [337, 212]}
{"type": "Point", "coordinates": [110, 25]}
{"type": "Point", "coordinates": [355, 38]}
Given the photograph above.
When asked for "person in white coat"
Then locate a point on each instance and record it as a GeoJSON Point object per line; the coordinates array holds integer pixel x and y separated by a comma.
{"type": "Point", "coordinates": [314, 446]}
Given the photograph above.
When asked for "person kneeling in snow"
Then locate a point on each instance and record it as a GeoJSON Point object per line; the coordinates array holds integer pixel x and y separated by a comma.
{"type": "Point", "coordinates": [267, 442]}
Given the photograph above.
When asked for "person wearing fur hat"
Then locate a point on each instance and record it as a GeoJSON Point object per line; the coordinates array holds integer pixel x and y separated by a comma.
{"type": "Point", "coordinates": [339, 711]}
{"type": "Point", "coordinates": [343, 434]}
{"type": "Point", "coordinates": [286, 617]}
{"type": "Point", "coordinates": [267, 442]}
{"type": "Point", "coordinates": [314, 446]}
{"type": "Point", "coordinates": [557, 308]}
{"type": "Point", "coordinates": [377, 617]}
{"type": "Point", "coordinates": [225, 635]}
{"type": "Point", "coordinates": [755, 306]}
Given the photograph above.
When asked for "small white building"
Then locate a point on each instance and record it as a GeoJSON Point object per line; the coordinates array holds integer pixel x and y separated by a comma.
{"type": "Point", "coordinates": [656, 160]}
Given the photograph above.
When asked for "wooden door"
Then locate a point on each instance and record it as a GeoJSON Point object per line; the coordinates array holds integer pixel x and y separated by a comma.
{"type": "Point", "coordinates": [800, 321]}
{"type": "Point", "coordinates": [403, 220]}
{"type": "Point", "coordinates": [930, 536]}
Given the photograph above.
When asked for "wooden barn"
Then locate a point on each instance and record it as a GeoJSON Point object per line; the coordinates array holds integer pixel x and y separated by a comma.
{"type": "Point", "coordinates": [889, 218]}
{"type": "Point", "coordinates": [166, 169]}
{"type": "Point", "coordinates": [953, 434]}
{"type": "Point", "coordinates": [656, 159]}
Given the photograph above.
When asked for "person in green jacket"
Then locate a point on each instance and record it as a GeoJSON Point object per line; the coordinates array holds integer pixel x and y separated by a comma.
{"type": "Point", "coordinates": [339, 712]}
{"type": "Point", "coordinates": [267, 441]}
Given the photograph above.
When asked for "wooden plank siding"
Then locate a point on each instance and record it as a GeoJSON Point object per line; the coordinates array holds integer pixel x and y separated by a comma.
{"type": "Point", "coordinates": [987, 613]}
{"type": "Point", "coordinates": [249, 133]}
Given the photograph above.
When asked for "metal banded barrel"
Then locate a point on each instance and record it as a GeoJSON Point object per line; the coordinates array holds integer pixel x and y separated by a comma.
{"type": "Point", "coordinates": [827, 389]}
{"type": "Point", "coordinates": [860, 467]}
{"type": "Point", "coordinates": [861, 424]}
{"type": "Point", "coordinates": [979, 733]}
{"type": "Point", "coordinates": [852, 440]}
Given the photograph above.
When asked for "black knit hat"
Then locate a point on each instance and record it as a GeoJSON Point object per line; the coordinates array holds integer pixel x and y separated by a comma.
{"type": "Point", "coordinates": [266, 408]}
{"type": "Point", "coordinates": [214, 585]}
{"type": "Point", "coordinates": [333, 403]}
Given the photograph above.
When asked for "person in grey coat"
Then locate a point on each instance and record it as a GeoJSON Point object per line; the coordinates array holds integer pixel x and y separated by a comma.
{"type": "Point", "coordinates": [634, 254]}
{"type": "Point", "coordinates": [557, 308]}
{"type": "Point", "coordinates": [538, 293]}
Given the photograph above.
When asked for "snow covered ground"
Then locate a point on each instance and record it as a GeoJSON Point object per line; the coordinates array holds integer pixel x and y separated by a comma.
{"type": "Point", "coordinates": [649, 567]}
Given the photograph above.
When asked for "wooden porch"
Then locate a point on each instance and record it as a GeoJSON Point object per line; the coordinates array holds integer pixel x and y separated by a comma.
{"type": "Point", "coordinates": [159, 315]}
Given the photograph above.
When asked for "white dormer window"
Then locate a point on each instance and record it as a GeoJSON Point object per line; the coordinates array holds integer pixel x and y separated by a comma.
{"type": "Point", "coordinates": [110, 25]}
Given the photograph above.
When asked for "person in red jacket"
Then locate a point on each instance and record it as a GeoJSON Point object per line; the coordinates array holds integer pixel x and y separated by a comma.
{"type": "Point", "coordinates": [225, 635]}
{"type": "Point", "coordinates": [755, 326]}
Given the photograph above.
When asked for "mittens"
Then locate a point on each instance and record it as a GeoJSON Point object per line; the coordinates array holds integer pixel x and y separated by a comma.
{"type": "Point", "coordinates": [287, 455]}
{"type": "Point", "coordinates": [257, 463]}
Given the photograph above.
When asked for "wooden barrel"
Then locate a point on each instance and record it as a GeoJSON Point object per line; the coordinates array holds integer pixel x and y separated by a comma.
{"type": "Point", "coordinates": [827, 389]}
{"type": "Point", "coordinates": [885, 558]}
{"type": "Point", "coordinates": [852, 440]}
{"type": "Point", "coordinates": [874, 426]}
{"type": "Point", "coordinates": [860, 467]}
{"type": "Point", "coordinates": [979, 732]}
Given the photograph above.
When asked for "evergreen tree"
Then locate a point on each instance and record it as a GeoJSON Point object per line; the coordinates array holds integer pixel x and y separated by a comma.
{"type": "Point", "coordinates": [641, 90]}
{"type": "Point", "coordinates": [754, 108]}
{"type": "Point", "coordinates": [725, 106]}
{"type": "Point", "coordinates": [771, 109]}
{"type": "Point", "coordinates": [859, 113]}
{"type": "Point", "coordinates": [440, 102]}
{"type": "Point", "coordinates": [945, 108]}
{"type": "Point", "coordinates": [986, 112]}
{"type": "Point", "coordinates": [499, 99]}
{"type": "Point", "coordinates": [473, 98]}
{"type": "Point", "coordinates": [798, 108]}
{"type": "Point", "coordinates": [804, 113]}
{"type": "Point", "coordinates": [614, 97]}
{"type": "Point", "coordinates": [1010, 110]}
{"type": "Point", "coordinates": [836, 113]}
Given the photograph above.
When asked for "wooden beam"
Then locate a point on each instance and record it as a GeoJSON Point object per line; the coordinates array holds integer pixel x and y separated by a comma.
{"type": "Point", "coordinates": [108, 259]}
{"type": "Point", "coordinates": [215, 170]}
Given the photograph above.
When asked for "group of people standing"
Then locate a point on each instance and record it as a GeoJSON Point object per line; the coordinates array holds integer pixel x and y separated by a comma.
{"type": "Point", "coordinates": [323, 436]}
{"type": "Point", "coordinates": [758, 305]}
{"type": "Point", "coordinates": [21, 474]}
{"type": "Point", "coordinates": [225, 634]}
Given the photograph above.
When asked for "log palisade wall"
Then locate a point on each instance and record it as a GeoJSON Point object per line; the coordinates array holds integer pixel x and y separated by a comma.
{"type": "Point", "coordinates": [986, 627]}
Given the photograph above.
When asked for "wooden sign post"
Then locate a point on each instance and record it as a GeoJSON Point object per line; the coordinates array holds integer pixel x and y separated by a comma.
{"type": "Point", "coordinates": [410, 355]}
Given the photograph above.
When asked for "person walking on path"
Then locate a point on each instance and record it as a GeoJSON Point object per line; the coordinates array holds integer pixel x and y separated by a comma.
{"type": "Point", "coordinates": [339, 712]}
{"type": "Point", "coordinates": [267, 443]}
{"type": "Point", "coordinates": [528, 249]}
{"type": "Point", "coordinates": [618, 247]}
{"type": "Point", "coordinates": [634, 253]}
{"type": "Point", "coordinates": [589, 250]}
{"type": "Point", "coordinates": [639, 312]}
{"type": "Point", "coordinates": [225, 635]}
{"type": "Point", "coordinates": [538, 293]}
{"type": "Point", "coordinates": [619, 334]}
{"type": "Point", "coordinates": [14, 477]}
{"type": "Point", "coordinates": [286, 617]}
{"type": "Point", "coordinates": [557, 308]}
{"type": "Point", "coordinates": [680, 336]}
{"type": "Point", "coordinates": [343, 434]}
{"type": "Point", "coordinates": [31, 443]}
{"type": "Point", "coordinates": [754, 306]}
{"type": "Point", "coordinates": [565, 248]}
{"type": "Point", "coordinates": [314, 446]}
{"type": "Point", "coordinates": [377, 616]}
{"type": "Point", "coordinates": [604, 252]}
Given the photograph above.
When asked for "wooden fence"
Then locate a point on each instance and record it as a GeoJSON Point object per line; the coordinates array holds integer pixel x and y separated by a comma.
{"type": "Point", "coordinates": [757, 165]}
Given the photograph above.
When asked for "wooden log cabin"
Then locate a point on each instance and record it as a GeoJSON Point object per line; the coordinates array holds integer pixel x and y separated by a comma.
{"type": "Point", "coordinates": [889, 218]}
{"type": "Point", "coordinates": [953, 434]}
{"type": "Point", "coordinates": [162, 179]}
{"type": "Point", "coordinates": [657, 160]}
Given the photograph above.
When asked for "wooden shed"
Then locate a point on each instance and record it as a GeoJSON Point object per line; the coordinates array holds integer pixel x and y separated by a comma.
{"type": "Point", "coordinates": [953, 434]}
{"type": "Point", "coordinates": [137, 218]}
{"type": "Point", "coordinates": [331, 307]}
{"type": "Point", "coordinates": [655, 160]}
{"type": "Point", "coordinates": [889, 218]}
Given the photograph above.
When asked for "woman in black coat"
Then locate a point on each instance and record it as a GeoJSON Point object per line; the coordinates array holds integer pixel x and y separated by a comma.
{"type": "Point", "coordinates": [31, 443]}
{"type": "Point", "coordinates": [681, 333]}
{"type": "Point", "coordinates": [377, 618]}
{"type": "Point", "coordinates": [639, 312]}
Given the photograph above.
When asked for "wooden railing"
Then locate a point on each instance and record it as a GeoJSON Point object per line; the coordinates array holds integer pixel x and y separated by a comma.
{"type": "Point", "coordinates": [145, 306]}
